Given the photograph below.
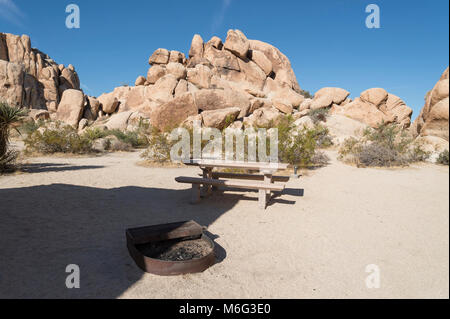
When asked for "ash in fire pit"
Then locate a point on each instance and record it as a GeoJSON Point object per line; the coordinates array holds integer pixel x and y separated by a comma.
{"type": "Point", "coordinates": [177, 250]}
{"type": "Point", "coordinates": [171, 249]}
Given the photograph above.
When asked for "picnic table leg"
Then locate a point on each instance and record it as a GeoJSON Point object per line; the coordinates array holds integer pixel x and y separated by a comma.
{"type": "Point", "coordinates": [262, 201]}
{"type": "Point", "coordinates": [268, 179]}
{"type": "Point", "coordinates": [207, 189]}
{"type": "Point", "coordinates": [195, 197]}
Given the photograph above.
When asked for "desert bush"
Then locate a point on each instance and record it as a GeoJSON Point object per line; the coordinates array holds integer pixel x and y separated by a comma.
{"type": "Point", "coordinates": [319, 115]}
{"type": "Point", "coordinates": [306, 94]}
{"type": "Point", "coordinates": [136, 138]}
{"type": "Point", "coordinates": [159, 147]}
{"type": "Point", "coordinates": [58, 139]}
{"type": "Point", "coordinates": [298, 146]}
{"type": "Point", "coordinates": [322, 136]}
{"type": "Point", "coordinates": [385, 146]}
{"type": "Point", "coordinates": [443, 158]}
{"type": "Point", "coordinates": [30, 126]}
{"type": "Point", "coordinates": [95, 133]}
{"type": "Point", "coordinates": [9, 116]}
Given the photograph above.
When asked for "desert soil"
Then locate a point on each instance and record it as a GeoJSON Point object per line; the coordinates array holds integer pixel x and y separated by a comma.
{"type": "Point", "coordinates": [315, 241]}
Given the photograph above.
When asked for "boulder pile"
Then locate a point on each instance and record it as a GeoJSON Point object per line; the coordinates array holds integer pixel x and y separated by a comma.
{"type": "Point", "coordinates": [30, 78]}
{"type": "Point", "coordinates": [238, 82]}
{"type": "Point", "coordinates": [432, 124]}
{"type": "Point", "coordinates": [216, 81]}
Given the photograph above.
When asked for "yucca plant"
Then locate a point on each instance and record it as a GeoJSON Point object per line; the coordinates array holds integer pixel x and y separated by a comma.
{"type": "Point", "coordinates": [8, 117]}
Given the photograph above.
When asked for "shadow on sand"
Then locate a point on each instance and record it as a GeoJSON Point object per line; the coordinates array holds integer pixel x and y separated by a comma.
{"type": "Point", "coordinates": [52, 167]}
{"type": "Point", "coordinates": [43, 229]}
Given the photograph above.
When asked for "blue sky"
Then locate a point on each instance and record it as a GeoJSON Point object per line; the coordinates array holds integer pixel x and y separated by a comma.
{"type": "Point", "coordinates": [327, 41]}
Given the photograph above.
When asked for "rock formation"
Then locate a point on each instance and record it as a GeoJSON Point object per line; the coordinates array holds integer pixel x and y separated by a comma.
{"type": "Point", "coordinates": [373, 107]}
{"type": "Point", "coordinates": [215, 81]}
{"type": "Point", "coordinates": [240, 82]}
{"type": "Point", "coordinates": [30, 78]}
{"type": "Point", "coordinates": [433, 119]}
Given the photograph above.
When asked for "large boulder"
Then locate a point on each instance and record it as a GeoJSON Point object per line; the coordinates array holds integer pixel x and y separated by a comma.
{"type": "Point", "coordinates": [252, 73]}
{"type": "Point", "coordinates": [375, 96]}
{"type": "Point", "coordinates": [328, 96]}
{"type": "Point", "coordinates": [398, 109]}
{"type": "Point", "coordinates": [178, 70]}
{"type": "Point", "coordinates": [283, 93]}
{"type": "Point", "coordinates": [163, 89]}
{"type": "Point", "coordinates": [140, 81]}
{"type": "Point", "coordinates": [200, 76]}
{"type": "Point", "coordinates": [155, 73]}
{"type": "Point", "coordinates": [197, 47]}
{"type": "Point", "coordinates": [220, 118]}
{"type": "Point", "coordinates": [94, 106]}
{"type": "Point", "coordinates": [342, 127]}
{"type": "Point", "coordinates": [262, 61]}
{"type": "Point", "coordinates": [221, 59]}
{"type": "Point", "coordinates": [71, 107]}
{"type": "Point", "coordinates": [109, 103]}
{"type": "Point", "coordinates": [119, 121]}
{"type": "Point", "coordinates": [215, 99]}
{"type": "Point", "coordinates": [69, 79]}
{"type": "Point", "coordinates": [373, 107]}
{"type": "Point", "coordinates": [263, 117]}
{"type": "Point", "coordinates": [215, 42]}
{"type": "Point", "coordinates": [11, 82]}
{"type": "Point", "coordinates": [434, 117]}
{"type": "Point", "coordinates": [160, 56]}
{"type": "Point", "coordinates": [136, 98]}
{"type": "Point", "coordinates": [237, 43]}
{"type": "Point", "coordinates": [171, 114]}
{"type": "Point", "coordinates": [282, 68]}
{"type": "Point", "coordinates": [182, 87]}
{"type": "Point", "coordinates": [363, 112]}
{"type": "Point", "coordinates": [283, 107]}
{"type": "Point", "coordinates": [177, 57]}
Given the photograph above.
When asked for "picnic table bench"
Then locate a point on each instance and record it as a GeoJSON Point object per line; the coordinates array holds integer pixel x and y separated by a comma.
{"type": "Point", "coordinates": [265, 182]}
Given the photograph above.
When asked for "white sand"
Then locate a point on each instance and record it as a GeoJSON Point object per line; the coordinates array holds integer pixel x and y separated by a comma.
{"type": "Point", "coordinates": [314, 246]}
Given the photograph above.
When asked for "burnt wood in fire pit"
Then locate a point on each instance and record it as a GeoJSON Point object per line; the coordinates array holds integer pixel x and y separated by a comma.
{"type": "Point", "coordinates": [171, 249]}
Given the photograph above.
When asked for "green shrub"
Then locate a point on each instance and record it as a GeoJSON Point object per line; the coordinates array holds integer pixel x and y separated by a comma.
{"type": "Point", "coordinates": [306, 94]}
{"type": "Point", "coordinates": [60, 139]}
{"type": "Point", "coordinates": [31, 126]}
{"type": "Point", "coordinates": [319, 115]}
{"type": "Point", "coordinates": [137, 138]}
{"type": "Point", "coordinates": [322, 136]}
{"type": "Point", "coordinates": [298, 146]}
{"type": "Point", "coordinates": [443, 158]}
{"type": "Point", "coordinates": [95, 133]}
{"type": "Point", "coordinates": [385, 146]}
{"type": "Point", "coordinates": [159, 147]}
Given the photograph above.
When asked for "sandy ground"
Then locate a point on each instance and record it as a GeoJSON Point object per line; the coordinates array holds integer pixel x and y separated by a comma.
{"type": "Point", "coordinates": [315, 241]}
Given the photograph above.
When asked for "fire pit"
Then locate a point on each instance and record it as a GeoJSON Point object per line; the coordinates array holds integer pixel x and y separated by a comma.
{"type": "Point", "coordinates": [171, 249]}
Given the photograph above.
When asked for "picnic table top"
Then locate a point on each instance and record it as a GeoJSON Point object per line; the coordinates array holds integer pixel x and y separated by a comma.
{"type": "Point", "coordinates": [262, 166]}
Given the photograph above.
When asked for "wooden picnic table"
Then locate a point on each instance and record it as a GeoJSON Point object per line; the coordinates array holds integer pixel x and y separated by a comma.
{"type": "Point", "coordinates": [211, 180]}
